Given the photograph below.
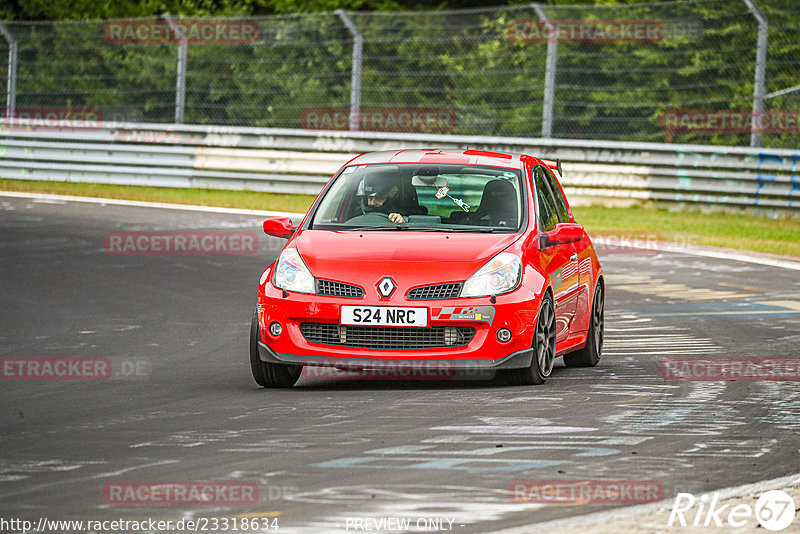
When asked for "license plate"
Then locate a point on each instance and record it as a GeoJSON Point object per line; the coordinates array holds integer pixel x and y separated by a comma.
{"type": "Point", "coordinates": [384, 316]}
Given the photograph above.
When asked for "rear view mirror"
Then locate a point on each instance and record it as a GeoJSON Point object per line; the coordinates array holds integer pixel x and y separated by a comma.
{"type": "Point", "coordinates": [428, 176]}
{"type": "Point", "coordinates": [279, 227]}
{"type": "Point", "coordinates": [562, 234]}
{"type": "Point", "coordinates": [430, 181]}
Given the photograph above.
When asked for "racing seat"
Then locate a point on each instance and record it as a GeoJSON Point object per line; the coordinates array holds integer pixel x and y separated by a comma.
{"type": "Point", "coordinates": [409, 201]}
{"type": "Point", "coordinates": [498, 206]}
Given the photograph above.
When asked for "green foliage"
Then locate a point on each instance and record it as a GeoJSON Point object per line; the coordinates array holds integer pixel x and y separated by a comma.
{"type": "Point", "coordinates": [112, 9]}
{"type": "Point", "coordinates": [465, 63]}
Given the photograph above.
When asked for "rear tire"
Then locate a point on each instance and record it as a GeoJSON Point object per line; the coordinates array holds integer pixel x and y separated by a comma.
{"type": "Point", "coordinates": [269, 375]}
{"type": "Point", "coordinates": [544, 349]}
{"type": "Point", "coordinates": [589, 355]}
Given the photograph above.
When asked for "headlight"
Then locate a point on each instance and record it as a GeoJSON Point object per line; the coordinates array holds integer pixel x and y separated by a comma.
{"type": "Point", "coordinates": [292, 274]}
{"type": "Point", "coordinates": [500, 275]}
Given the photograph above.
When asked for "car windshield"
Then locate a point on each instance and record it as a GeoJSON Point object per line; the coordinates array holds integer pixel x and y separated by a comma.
{"type": "Point", "coordinates": [422, 197]}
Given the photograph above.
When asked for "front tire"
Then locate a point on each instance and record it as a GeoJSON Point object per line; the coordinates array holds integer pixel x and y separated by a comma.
{"type": "Point", "coordinates": [544, 349]}
{"type": "Point", "coordinates": [589, 355]}
{"type": "Point", "coordinates": [269, 375]}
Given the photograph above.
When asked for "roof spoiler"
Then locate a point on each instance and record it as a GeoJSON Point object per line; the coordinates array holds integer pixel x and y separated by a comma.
{"type": "Point", "coordinates": [554, 165]}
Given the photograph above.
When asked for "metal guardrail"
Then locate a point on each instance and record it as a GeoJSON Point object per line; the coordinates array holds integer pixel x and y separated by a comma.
{"type": "Point", "coordinates": [300, 161]}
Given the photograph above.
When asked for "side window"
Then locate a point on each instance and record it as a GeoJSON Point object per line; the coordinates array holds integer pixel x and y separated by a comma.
{"type": "Point", "coordinates": [561, 204]}
{"type": "Point", "coordinates": [548, 215]}
{"type": "Point", "coordinates": [329, 211]}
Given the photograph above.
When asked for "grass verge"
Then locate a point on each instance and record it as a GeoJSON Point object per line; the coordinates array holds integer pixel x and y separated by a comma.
{"type": "Point", "coordinates": [742, 232]}
{"type": "Point", "coordinates": [251, 200]}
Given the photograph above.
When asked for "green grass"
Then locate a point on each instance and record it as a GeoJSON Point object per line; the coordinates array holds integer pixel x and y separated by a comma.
{"type": "Point", "coordinates": [201, 197]}
{"type": "Point", "coordinates": [743, 232]}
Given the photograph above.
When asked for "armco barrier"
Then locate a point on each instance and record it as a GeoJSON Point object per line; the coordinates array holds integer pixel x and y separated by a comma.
{"type": "Point", "coordinates": [301, 161]}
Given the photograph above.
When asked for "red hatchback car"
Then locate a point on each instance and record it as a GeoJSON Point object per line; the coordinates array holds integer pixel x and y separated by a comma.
{"type": "Point", "coordinates": [413, 259]}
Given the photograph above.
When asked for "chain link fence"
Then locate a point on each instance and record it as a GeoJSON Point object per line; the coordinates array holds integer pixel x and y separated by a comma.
{"type": "Point", "coordinates": [681, 72]}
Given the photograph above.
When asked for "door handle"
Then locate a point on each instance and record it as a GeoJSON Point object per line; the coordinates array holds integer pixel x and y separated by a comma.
{"type": "Point", "coordinates": [574, 257]}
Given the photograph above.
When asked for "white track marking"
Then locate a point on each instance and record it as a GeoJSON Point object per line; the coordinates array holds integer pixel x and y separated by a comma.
{"type": "Point", "coordinates": [42, 197]}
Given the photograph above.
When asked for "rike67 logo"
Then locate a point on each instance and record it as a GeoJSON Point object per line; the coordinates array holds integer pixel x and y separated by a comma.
{"type": "Point", "coordinates": [774, 510]}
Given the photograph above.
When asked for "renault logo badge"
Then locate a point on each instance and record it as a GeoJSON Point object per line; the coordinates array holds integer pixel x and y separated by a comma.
{"type": "Point", "coordinates": [386, 287]}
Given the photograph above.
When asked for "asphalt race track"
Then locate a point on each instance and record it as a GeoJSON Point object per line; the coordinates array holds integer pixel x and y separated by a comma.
{"type": "Point", "coordinates": [181, 405]}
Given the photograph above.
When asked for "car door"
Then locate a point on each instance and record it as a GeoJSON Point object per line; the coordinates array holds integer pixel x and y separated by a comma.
{"type": "Point", "coordinates": [558, 260]}
{"type": "Point", "coordinates": [581, 268]}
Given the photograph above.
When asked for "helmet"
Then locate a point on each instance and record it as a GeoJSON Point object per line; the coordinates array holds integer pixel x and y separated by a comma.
{"type": "Point", "coordinates": [380, 183]}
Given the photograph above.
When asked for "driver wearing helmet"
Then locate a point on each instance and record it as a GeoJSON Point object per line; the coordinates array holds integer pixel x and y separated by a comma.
{"type": "Point", "coordinates": [381, 189]}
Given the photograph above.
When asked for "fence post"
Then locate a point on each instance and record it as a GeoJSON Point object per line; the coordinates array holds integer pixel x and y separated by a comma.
{"type": "Point", "coordinates": [355, 79]}
{"type": "Point", "coordinates": [549, 76]}
{"type": "Point", "coordinates": [180, 83]}
{"type": "Point", "coordinates": [761, 69]}
{"type": "Point", "coordinates": [11, 95]}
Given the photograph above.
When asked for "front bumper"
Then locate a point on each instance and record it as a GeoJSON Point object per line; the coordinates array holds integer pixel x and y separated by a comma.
{"type": "Point", "coordinates": [515, 311]}
{"type": "Point", "coordinates": [516, 360]}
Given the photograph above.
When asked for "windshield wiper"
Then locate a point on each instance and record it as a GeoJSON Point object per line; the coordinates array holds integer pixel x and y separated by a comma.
{"type": "Point", "coordinates": [393, 227]}
{"type": "Point", "coordinates": [480, 229]}
{"type": "Point", "coordinates": [477, 229]}
{"type": "Point", "coordinates": [449, 229]}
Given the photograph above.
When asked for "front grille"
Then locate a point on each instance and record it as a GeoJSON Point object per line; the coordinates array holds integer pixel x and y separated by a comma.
{"type": "Point", "coordinates": [387, 337]}
{"type": "Point", "coordinates": [338, 289]}
{"type": "Point", "coordinates": [439, 291]}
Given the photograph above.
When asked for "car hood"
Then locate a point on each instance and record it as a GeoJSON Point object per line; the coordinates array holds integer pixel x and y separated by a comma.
{"type": "Point", "coordinates": [435, 256]}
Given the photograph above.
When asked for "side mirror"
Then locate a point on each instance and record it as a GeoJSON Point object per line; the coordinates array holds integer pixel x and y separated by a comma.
{"type": "Point", "coordinates": [562, 233]}
{"type": "Point", "coordinates": [279, 227]}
